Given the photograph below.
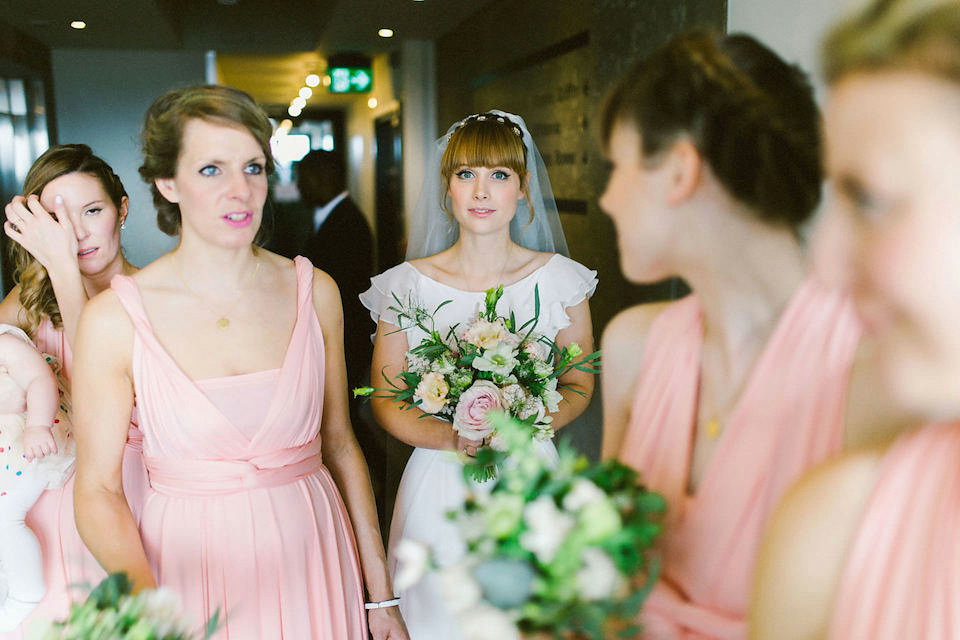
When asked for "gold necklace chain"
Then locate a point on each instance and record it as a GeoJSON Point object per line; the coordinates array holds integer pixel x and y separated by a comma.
{"type": "Point", "coordinates": [222, 321]}
{"type": "Point", "coordinates": [503, 268]}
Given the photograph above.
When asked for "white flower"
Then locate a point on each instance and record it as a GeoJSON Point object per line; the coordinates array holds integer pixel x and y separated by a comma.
{"type": "Point", "coordinates": [500, 360]}
{"type": "Point", "coordinates": [412, 562]}
{"type": "Point", "coordinates": [551, 397]}
{"type": "Point", "coordinates": [503, 514]}
{"type": "Point", "coordinates": [514, 396]}
{"type": "Point", "coordinates": [417, 364]}
{"type": "Point", "coordinates": [547, 527]}
{"type": "Point", "coordinates": [485, 334]}
{"type": "Point", "coordinates": [484, 622]}
{"type": "Point", "coordinates": [541, 368]}
{"type": "Point", "coordinates": [432, 392]}
{"type": "Point", "coordinates": [460, 591]}
{"type": "Point", "coordinates": [162, 608]}
{"type": "Point", "coordinates": [582, 493]}
{"type": "Point", "coordinates": [598, 577]}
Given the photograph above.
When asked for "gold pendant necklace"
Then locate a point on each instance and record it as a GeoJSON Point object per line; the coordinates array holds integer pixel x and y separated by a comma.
{"type": "Point", "coordinates": [223, 321]}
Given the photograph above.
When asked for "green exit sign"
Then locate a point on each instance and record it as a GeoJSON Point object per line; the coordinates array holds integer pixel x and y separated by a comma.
{"type": "Point", "coordinates": [350, 79]}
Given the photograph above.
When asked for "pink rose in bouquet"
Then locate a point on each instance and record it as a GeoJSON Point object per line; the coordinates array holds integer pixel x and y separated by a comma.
{"type": "Point", "coordinates": [470, 418]}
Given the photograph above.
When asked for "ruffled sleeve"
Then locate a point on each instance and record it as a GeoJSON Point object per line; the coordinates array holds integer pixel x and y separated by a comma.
{"type": "Point", "coordinates": [400, 280]}
{"type": "Point", "coordinates": [562, 283]}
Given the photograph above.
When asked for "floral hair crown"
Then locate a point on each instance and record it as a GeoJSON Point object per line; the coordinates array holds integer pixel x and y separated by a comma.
{"type": "Point", "coordinates": [480, 117]}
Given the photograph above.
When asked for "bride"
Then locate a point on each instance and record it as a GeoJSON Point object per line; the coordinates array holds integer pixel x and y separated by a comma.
{"type": "Point", "coordinates": [486, 217]}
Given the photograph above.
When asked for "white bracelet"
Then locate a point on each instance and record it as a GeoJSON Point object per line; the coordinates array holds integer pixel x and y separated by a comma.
{"type": "Point", "coordinates": [382, 605]}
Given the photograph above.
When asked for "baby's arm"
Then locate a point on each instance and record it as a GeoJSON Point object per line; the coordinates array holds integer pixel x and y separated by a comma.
{"type": "Point", "coordinates": [30, 371]}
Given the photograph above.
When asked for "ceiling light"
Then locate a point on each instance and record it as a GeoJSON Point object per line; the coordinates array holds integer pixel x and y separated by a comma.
{"type": "Point", "coordinates": [385, 33]}
{"type": "Point", "coordinates": [298, 102]}
{"type": "Point", "coordinates": [78, 24]}
{"type": "Point", "coordinates": [312, 80]}
{"type": "Point", "coordinates": [372, 103]}
{"type": "Point", "coordinates": [306, 92]}
{"type": "Point", "coordinates": [294, 111]}
{"type": "Point", "coordinates": [326, 81]}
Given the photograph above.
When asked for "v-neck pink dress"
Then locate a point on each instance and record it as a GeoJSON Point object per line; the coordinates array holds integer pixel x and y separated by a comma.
{"type": "Point", "coordinates": [902, 576]}
{"type": "Point", "coordinates": [250, 524]}
{"type": "Point", "coordinates": [789, 416]}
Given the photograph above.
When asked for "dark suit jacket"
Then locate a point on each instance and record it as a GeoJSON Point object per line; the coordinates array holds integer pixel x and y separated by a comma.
{"type": "Point", "coordinates": [343, 247]}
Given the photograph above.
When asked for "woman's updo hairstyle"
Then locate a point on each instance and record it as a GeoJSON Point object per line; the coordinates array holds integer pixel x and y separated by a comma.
{"type": "Point", "coordinates": [486, 140]}
{"type": "Point", "coordinates": [751, 116]}
{"type": "Point", "coordinates": [162, 135]}
{"type": "Point", "coordinates": [905, 35]}
{"type": "Point", "coordinates": [36, 291]}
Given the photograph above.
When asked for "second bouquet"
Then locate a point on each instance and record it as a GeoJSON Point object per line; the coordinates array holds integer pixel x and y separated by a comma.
{"type": "Point", "coordinates": [488, 362]}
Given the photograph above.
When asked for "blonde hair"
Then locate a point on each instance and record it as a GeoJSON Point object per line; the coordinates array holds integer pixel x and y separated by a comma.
{"type": "Point", "coordinates": [36, 292]}
{"type": "Point", "coordinates": [486, 140]}
{"type": "Point", "coordinates": [909, 35]}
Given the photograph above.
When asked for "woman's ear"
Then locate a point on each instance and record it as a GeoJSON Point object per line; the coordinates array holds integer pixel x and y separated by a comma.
{"type": "Point", "coordinates": [686, 165]}
{"type": "Point", "coordinates": [524, 186]}
{"type": "Point", "coordinates": [168, 189]}
{"type": "Point", "coordinates": [123, 209]}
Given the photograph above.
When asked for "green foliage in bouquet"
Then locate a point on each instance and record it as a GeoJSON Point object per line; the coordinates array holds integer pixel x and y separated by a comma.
{"type": "Point", "coordinates": [112, 612]}
{"type": "Point", "coordinates": [562, 549]}
{"type": "Point", "coordinates": [489, 363]}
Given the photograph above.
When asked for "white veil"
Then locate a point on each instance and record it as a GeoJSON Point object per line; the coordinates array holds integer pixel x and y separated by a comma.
{"type": "Point", "coordinates": [432, 230]}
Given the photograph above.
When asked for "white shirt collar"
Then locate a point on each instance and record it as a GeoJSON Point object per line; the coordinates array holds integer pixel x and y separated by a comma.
{"type": "Point", "coordinates": [320, 213]}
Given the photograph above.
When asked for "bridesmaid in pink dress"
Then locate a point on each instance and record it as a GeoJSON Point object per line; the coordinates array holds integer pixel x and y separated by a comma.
{"type": "Point", "coordinates": [725, 397]}
{"type": "Point", "coordinates": [867, 547]}
{"type": "Point", "coordinates": [59, 263]}
{"type": "Point", "coordinates": [259, 503]}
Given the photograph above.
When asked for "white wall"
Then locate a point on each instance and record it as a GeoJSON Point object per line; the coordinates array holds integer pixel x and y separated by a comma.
{"type": "Point", "coordinates": [792, 28]}
{"type": "Point", "coordinates": [100, 98]}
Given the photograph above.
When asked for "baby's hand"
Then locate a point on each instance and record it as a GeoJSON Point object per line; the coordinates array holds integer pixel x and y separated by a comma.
{"type": "Point", "coordinates": [38, 442]}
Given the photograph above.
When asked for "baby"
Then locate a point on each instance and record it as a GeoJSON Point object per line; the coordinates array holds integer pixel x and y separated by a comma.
{"type": "Point", "coordinates": [36, 453]}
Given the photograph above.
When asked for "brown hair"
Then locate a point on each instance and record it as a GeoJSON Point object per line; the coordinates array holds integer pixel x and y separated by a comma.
{"type": "Point", "coordinates": [751, 116]}
{"type": "Point", "coordinates": [486, 140]}
{"type": "Point", "coordinates": [36, 292]}
{"type": "Point", "coordinates": [162, 136]}
{"type": "Point", "coordinates": [911, 35]}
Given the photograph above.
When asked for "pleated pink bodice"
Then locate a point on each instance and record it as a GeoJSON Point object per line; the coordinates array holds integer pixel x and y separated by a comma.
{"type": "Point", "coordinates": [789, 416]}
{"type": "Point", "coordinates": [902, 577]}
{"type": "Point", "coordinates": [251, 524]}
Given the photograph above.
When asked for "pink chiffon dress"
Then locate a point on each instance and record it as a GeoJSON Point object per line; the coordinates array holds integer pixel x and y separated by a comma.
{"type": "Point", "coordinates": [241, 515]}
{"type": "Point", "coordinates": [67, 563]}
{"type": "Point", "coordinates": [789, 416]}
{"type": "Point", "coordinates": [902, 577]}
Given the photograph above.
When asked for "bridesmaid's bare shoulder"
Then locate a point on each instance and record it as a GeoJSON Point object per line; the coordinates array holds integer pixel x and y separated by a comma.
{"type": "Point", "coordinates": [806, 546]}
{"type": "Point", "coordinates": [622, 345]}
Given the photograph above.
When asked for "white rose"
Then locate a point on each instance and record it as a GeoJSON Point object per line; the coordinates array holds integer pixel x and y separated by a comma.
{"type": "Point", "coordinates": [432, 392]}
{"type": "Point", "coordinates": [412, 560]}
{"type": "Point", "coordinates": [460, 591]}
{"type": "Point", "coordinates": [582, 493]}
{"type": "Point", "coordinates": [484, 622]}
{"type": "Point", "coordinates": [598, 577]}
{"type": "Point", "coordinates": [547, 527]}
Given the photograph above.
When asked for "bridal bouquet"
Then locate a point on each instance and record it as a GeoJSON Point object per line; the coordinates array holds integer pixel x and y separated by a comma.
{"type": "Point", "coordinates": [560, 550]}
{"type": "Point", "coordinates": [489, 363]}
{"type": "Point", "coordinates": [111, 611]}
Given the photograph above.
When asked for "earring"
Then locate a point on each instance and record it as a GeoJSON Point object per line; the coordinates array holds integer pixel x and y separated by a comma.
{"type": "Point", "coordinates": [123, 225]}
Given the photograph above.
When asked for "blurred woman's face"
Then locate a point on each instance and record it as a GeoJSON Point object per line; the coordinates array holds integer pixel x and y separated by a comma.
{"type": "Point", "coordinates": [634, 200]}
{"type": "Point", "coordinates": [892, 230]}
